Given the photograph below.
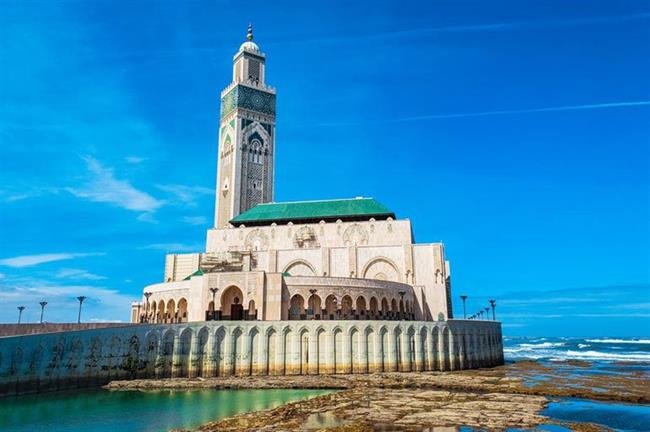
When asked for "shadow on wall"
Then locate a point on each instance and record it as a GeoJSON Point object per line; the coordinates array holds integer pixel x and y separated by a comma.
{"type": "Point", "coordinates": [55, 361]}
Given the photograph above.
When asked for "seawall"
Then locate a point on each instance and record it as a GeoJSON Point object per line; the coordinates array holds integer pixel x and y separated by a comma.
{"type": "Point", "coordinates": [85, 358]}
{"type": "Point", "coordinates": [31, 328]}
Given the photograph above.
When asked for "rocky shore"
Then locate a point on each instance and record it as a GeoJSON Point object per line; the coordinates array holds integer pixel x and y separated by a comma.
{"type": "Point", "coordinates": [510, 396]}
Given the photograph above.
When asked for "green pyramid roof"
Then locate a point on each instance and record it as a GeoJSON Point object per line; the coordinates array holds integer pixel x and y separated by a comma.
{"type": "Point", "coordinates": [313, 211]}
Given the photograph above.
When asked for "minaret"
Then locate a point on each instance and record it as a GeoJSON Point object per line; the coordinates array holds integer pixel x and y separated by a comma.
{"type": "Point", "coordinates": [246, 136]}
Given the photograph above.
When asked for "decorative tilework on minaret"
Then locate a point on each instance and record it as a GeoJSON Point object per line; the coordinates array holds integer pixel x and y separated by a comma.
{"type": "Point", "coordinates": [246, 136]}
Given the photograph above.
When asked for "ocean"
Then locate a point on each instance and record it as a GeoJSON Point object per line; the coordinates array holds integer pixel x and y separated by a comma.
{"type": "Point", "coordinates": [605, 357]}
{"type": "Point", "coordinates": [604, 350]}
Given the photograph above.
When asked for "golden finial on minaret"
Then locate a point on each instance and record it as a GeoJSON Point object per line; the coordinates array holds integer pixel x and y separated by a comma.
{"type": "Point", "coordinates": [250, 32]}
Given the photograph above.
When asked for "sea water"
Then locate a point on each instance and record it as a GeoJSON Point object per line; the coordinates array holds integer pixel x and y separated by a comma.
{"type": "Point", "coordinates": [102, 410]}
{"type": "Point", "coordinates": [605, 357]}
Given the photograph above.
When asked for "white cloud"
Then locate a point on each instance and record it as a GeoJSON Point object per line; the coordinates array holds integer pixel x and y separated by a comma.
{"type": "Point", "coordinates": [102, 303]}
{"type": "Point", "coordinates": [135, 159]}
{"type": "Point", "coordinates": [32, 260]}
{"type": "Point", "coordinates": [78, 274]}
{"type": "Point", "coordinates": [185, 194]}
{"type": "Point", "coordinates": [195, 220]}
{"type": "Point", "coordinates": [104, 187]}
{"type": "Point", "coordinates": [173, 247]}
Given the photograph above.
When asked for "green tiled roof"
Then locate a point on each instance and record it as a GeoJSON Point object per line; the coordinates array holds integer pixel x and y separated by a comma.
{"type": "Point", "coordinates": [344, 209]}
{"type": "Point", "coordinates": [199, 272]}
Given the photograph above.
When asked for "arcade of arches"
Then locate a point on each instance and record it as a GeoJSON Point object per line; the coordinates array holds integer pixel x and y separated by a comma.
{"type": "Point", "coordinates": [232, 305]}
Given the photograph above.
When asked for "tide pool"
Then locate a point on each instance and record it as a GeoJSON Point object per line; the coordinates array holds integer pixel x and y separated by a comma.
{"type": "Point", "coordinates": [101, 410]}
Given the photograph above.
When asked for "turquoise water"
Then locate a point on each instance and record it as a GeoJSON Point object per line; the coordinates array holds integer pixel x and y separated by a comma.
{"type": "Point", "coordinates": [102, 410]}
{"type": "Point", "coordinates": [617, 416]}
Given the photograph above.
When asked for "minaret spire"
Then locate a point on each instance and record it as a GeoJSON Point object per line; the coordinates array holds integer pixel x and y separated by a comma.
{"type": "Point", "coordinates": [249, 36]}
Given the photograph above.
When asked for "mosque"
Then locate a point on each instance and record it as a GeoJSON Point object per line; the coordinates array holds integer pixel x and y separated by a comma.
{"type": "Point", "coordinates": [342, 259]}
{"type": "Point", "coordinates": [293, 288]}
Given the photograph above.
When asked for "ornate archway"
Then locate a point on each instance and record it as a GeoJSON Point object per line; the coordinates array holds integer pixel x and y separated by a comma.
{"type": "Point", "coordinates": [232, 304]}
{"type": "Point", "coordinates": [296, 307]}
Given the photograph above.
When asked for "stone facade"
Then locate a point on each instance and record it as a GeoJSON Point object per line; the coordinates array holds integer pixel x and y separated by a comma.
{"type": "Point", "coordinates": [93, 357]}
{"type": "Point", "coordinates": [246, 136]}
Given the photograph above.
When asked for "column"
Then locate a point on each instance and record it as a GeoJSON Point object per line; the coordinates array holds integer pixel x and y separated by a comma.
{"type": "Point", "coordinates": [280, 365]}
{"type": "Point", "coordinates": [363, 352]}
{"type": "Point", "coordinates": [244, 355]}
{"type": "Point", "coordinates": [419, 360]}
{"type": "Point", "coordinates": [314, 355]}
{"type": "Point", "coordinates": [392, 351]}
{"type": "Point", "coordinates": [227, 354]}
{"type": "Point", "coordinates": [208, 356]}
{"type": "Point", "coordinates": [330, 367]}
{"type": "Point", "coordinates": [192, 363]}
{"type": "Point", "coordinates": [347, 355]}
{"type": "Point", "coordinates": [461, 351]}
{"type": "Point", "coordinates": [406, 352]}
{"type": "Point", "coordinates": [441, 351]}
{"type": "Point", "coordinates": [431, 351]}
{"type": "Point", "coordinates": [176, 355]}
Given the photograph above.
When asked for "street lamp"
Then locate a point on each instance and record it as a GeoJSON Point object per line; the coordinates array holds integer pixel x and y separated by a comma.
{"type": "Point", "coordinates": [213, 290]}
{"type": "Point", "coordinates": [463, 298]}
{"type": "Point", "coordinates": [493, 303]}
{"type": "Point", "coordinates": [146, 308]}
{"type": "Point", "coordinates": [43, 303]}
{"type": "Point", "coordinates": [487, 313]}
{"type": "Point", "coordinates": [20, 312]}
{"type": "Point", "coordinates": [81, 300]}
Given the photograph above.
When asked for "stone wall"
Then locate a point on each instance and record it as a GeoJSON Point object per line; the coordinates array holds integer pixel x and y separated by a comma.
{"type": "Point", "coordinates": [37, 328]}
{"type": "Point", "coordinates": [85, 358]}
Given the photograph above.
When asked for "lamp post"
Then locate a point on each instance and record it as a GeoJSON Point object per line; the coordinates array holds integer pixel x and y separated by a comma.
{"type": "Point", "coordinates": [138, 316]}
{"type": "Point", "coordinates": [81, 300]}
{"type": "Point", "coordinates": [487, 313]}
{"type": "Point", "coordinates": [43, 303]}
{"type": "Point", "coordinates": [480, 314]}
{"type": "Point", "coordinates": [146, 307]}
{"type": "Point", "coordinates": [463, 298]}
{"type": "Point", "coordinates": [214, 290]}
{"type": "Point", "coordinates": [20, 312]}
{"type": "Point", "coordinates": [493, 303]}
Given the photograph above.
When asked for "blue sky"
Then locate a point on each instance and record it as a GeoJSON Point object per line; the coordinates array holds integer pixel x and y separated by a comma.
{"type": "Point", "coordinates": [516, 132]}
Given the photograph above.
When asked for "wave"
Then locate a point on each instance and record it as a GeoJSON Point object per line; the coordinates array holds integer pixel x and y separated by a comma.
{"type": "Point", "coordinates": [620, 341]}
{"type": "Point", "coordinates": [542, 345]}
{"type": "Point", "coordinates": [583, 346]}
{"type": "Point", "coordinates": [597, 355]}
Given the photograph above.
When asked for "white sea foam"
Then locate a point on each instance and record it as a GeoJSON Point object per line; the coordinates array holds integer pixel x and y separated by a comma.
{"type": "Point", "coordinates": [583, 346]}
{"type": "Point", "coordinates": [597, 355]}
{"type": "Point", "coordinates": [542, 345]}
{"type": "Point", "coordinates": [620, 341]}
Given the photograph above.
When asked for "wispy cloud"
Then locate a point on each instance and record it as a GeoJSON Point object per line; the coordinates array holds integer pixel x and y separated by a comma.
{"type": "Point", "coordinates": [104, 187]}
{"type": "Point", "coordinates": [77, 274]}
{"type": "Point", "coordinates": [608, 105]}
{"type": "Point", "coordinates": [102, 302]}
{"type": "Point", "coordinates": [173, 247]}
{"type": "Point", "coordinates": [135, 159]}
{"type": "Point", "coordinates": [185, 194]}
{"type": "Point", "coordinates": [32, 260]}
{"type": "Point", "coordinates": [195, 220]}
{"type": "Point", "coordinates": [529, 110]}
{"type": "Point", "coordinates": [463, 28]}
